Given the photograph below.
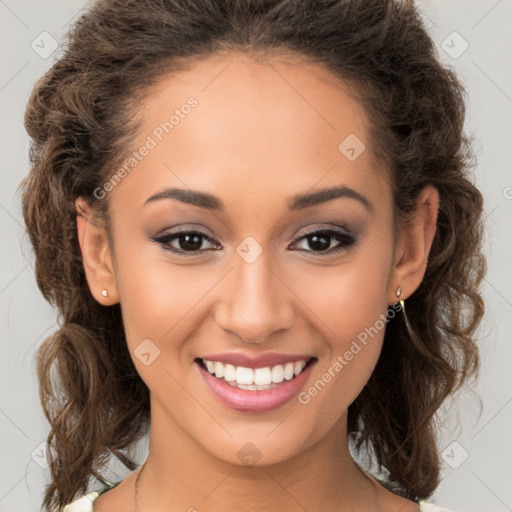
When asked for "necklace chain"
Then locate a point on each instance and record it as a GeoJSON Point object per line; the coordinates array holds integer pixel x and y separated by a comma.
{"type": "Point", "coordinates": [137, 488]}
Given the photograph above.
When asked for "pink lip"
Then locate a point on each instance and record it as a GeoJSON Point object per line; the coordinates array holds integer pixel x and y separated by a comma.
{"type": "Point", "coordinates": [255, 401]}
{"type": "Point", "coordinates": [256, 361]}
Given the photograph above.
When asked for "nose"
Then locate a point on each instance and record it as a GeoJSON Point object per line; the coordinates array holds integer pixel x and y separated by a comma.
{"type": "Point", "coordinates": [256, 302]}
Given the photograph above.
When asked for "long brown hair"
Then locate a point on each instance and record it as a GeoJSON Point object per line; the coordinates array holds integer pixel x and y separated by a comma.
{"type": "Point", "coordinates": [79, 117]}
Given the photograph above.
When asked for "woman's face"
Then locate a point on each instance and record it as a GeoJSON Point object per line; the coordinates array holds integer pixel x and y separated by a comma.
{"type": "Point", "coordinates": [251, 286]}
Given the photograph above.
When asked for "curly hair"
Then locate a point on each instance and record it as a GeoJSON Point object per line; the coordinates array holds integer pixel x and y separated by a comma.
{"type": "Point", "coordinates": [80, 118]}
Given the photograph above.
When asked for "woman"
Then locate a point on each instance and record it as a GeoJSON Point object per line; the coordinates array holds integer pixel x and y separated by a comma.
{"type": "Point", "coordinates": [256, 221]}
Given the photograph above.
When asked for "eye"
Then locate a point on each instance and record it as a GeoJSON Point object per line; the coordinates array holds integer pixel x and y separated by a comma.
{"type": "Point", "coordinates": [320, 241]}
{"type": "Point", "coordinates": [186, 243]}
{"type": "Point", "coordinates": [183, 242]}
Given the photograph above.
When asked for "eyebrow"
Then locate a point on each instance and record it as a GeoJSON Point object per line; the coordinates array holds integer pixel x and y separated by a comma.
{"type": "Point", "coordinates": [297, 202]}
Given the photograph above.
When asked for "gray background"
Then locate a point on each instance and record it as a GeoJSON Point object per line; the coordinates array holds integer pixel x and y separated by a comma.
{"type": "Point", "coordinates": [476, 448]}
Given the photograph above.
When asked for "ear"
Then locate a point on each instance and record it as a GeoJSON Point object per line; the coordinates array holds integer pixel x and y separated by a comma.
{"type": "Point", "coordinates": [96, 255]}
{"type": "Point", "coordinates": [413, 246]}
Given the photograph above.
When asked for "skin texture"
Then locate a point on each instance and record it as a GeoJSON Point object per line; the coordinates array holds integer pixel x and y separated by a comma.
{"type": "Point", "coordinates": [261, 133]}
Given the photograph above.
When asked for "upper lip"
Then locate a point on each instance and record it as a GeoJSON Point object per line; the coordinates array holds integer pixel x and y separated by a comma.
{"type": "Point", "coordinates": [256, 361]}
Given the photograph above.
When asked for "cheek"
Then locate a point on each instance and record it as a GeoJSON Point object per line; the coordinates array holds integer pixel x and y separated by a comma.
{"type": "Point", "coordinates": [347, 298]}
{"type": "Point", "coordinates": [152, 298]}
{"type": "Point", "coordinates": [155, 292]}
{"type": "Point", "coordinates": [351, 303]}
{"type": "Point", "coordinates": [159, 302]}
{"type": "Point", "coordinates": [157, 296]}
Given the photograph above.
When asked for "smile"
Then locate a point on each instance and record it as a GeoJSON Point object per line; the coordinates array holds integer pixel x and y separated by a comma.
{"type": "Point", "coordinates": [255, 384]}
{"type": "Point", "coordinates": [256, 379]}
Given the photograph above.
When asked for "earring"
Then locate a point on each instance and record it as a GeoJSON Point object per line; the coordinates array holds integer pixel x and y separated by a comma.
{"type": "Point", "coordinates": [398, 294]}
{"type": "Point", "coordinates": [104, 293]}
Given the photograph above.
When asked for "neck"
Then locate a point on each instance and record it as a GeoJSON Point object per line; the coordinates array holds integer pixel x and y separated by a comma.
{"type": "Point", "coordinates": [180, 475]}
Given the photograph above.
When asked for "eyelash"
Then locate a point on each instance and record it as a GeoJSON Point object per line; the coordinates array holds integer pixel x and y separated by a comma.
{"type": "Point", "coordinates": [345, 240]}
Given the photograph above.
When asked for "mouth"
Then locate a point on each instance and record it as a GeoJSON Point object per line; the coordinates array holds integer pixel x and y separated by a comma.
{"type": "Point", "coordinates": [259, 385]}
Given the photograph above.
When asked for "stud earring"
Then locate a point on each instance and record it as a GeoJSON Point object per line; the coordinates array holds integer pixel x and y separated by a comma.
{"type": "Point", "coordinates": [104, 293]}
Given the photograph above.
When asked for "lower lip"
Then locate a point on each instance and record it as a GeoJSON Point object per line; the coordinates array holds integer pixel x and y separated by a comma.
{"type": "Point", "coordinates": [255, 401]}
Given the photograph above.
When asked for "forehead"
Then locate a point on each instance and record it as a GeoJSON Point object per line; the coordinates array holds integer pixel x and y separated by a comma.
{"type": "Point", "coordinates": [231, 122]}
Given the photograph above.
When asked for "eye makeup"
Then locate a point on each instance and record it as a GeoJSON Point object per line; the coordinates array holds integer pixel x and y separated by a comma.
{"type": "Point", "coordinates": [189, 242]}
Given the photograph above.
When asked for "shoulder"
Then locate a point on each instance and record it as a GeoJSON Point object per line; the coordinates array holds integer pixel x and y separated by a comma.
{"type": "Point", "coordinates": [430, 507]}
{"type": "Point", "coordinates": [85, 503]}
{"type": "Point", "coordinates": [424, 506]}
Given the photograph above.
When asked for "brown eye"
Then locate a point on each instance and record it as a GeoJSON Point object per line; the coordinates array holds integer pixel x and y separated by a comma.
{"type": "Point", "coordinates": [184, 241]}
{"type": "Point", "coordinates": [321, 241]}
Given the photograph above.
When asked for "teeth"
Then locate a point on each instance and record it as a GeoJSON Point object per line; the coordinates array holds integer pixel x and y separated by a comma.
{"type": "Point", "coordinates": [244, 375]}
{"type": "Point", "coordinates": [277, 373]}
{"type": "Point", "coordinates": [289, 371]}
{"type": "Point", "coordinates": [257, 379]}
{"type": "Point", "coordinates": [299, 367]}
{"type": "Point", "coordinates": [219, 370]}
{"type": "Point", "coordinates": [251, 387]}
{"type": "Point", "coordinates": [262, 376]}
{"type": "Point", "coordinates": [229, 372]}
